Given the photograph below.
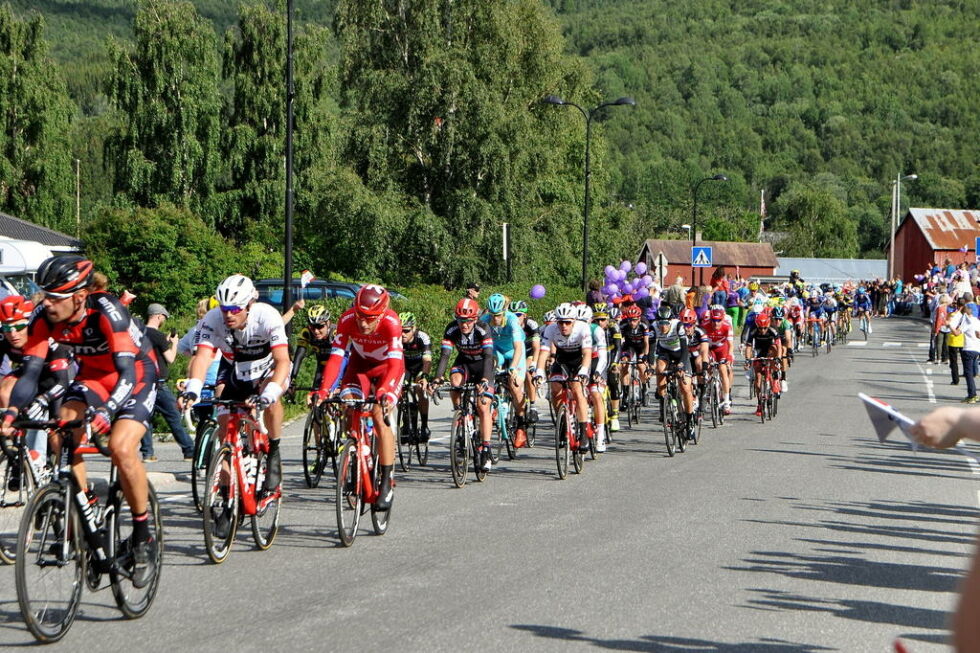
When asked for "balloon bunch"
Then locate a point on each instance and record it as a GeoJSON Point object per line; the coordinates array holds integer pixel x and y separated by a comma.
{"type": "Point", "coordinates": [618, 285]}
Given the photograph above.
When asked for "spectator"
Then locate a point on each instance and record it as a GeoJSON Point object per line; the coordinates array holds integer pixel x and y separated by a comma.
{"type": "Point", "coordinates": [298, 305]}
{"type": "Point", "coordinates": [674, 295]}
{"type": "Point", "coordinates": [472, 292]}
{"type": "Point", "coordinates": [937, 342]}
{"type": "Point", "coordinates": [594, 296]}
{"type": "Point", "coordinates": [166, 350]}
{"type": "Point", "coordinates": [954, 344]}
{"type": "Point", "coordinates": [965, 324]}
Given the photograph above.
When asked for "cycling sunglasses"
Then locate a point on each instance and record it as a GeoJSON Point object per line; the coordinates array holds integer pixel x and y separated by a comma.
{"type": "Point", "coordinates": [566, 322]}
{"type": "Point", "coordinates": [406, 330]}
{"type": "Point", "coordinates": [56, 295]}
{"type": "Point", "coordinates": [7, 328]}
{"type": "Point", "coordinates": [466, 320]}
{"type": "Point", "coordinates": [234, 310]}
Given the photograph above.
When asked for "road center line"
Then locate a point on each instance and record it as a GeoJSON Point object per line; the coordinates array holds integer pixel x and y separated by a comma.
{"type": "Point", "coordinates": [925, 379]}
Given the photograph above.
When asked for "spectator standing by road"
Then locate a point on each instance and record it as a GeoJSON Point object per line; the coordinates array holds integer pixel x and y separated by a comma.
{"type": "Point", "coordinates": [955, 345]}
{"type": "Point", "coordinates": [963, 323]}
{"type": "Point", "coordinates": [166, 350]}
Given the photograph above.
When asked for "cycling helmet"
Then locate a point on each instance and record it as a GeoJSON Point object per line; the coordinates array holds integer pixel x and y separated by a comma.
{"type": "Point", "coordinates": [613, 313]}
{"type": "Point", "coordinates": [496, 304]}
{"type": "Point", "coordinates": [762, 320]}
{"type": "Point", "coordinates": [753, 286]}
{"type": "Point", "coordinates": [467, 309]}
{"type": "Point", "coordinates": [632, 311]}
{"type": "Point", "coordinates": [600, 310]}
{"type": "Point", "coordinates": [717, 314]}
{"type": "Point", "coordinates": [407, 319]}
{"type": "Point", "coordinates": [688, 317]}
{"type": "Point", "coordinates": [213, 302]}
{"type": "Point", "coordinates": [64, 274]}
{"type": "Point", "coordinates": [585, 313]}
{"type": "Point", "coordinates": [371, 301]}
{"type": "Point", "coordinates": [236, 290]}
{"type": "Point", "coordinates": [566, 312]}
{"type": "Point", "coordinates": [518, 307]}
{"type": "Point", "coordinates": [549, 317]}
{"type": "Point", "coordinates": [14, 308]}
{"type": "Point", "coordinates": [777, 313]}
{"type": "Point", "coordinates": [664, 313]}
{"type": "Point", "coordinates": [318, 314]}
{"type": "Point", "coordinates": [862, 290]}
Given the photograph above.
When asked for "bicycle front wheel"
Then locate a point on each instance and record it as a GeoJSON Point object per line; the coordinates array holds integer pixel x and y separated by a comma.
{"type": "Point", "coordinates": [404, 437]}
{"type": "Point", "coordinates": [133, 601]}
{"type": "Point", "coordinates": [380, 519]}
{"type": "Point", "coordinates": [204, 447]}
{"type": "Point", "coordinates": [50, 565]}
{"type": "Point", "coordinates": [265, 521]}
{"type": "Point", "coordinates": [221, 505]}
{"type": "Point", "coordinates": [458, 452]}
{"type": "Point", "coordinates": [562, 445]}
{"type": "Point", "coordinates": [349, 496]}
{"type": "Point", "coordinates": [670, 420]}
{"type": "Point", "coordinates": [313, 449]}
{"type": "Point", "coordinates": [15, 493]}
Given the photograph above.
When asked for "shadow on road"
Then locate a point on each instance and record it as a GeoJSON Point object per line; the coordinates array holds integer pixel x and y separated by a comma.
{"type": "Point", "coordinates": [666, 644]}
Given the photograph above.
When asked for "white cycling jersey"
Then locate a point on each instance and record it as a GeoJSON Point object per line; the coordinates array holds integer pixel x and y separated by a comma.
{"type": "Point", "coordinates": [248, 349]}
{"type": "Point", "coordinates": [599, 350]}
{"type": "Point", "coordinates": [580, 337]}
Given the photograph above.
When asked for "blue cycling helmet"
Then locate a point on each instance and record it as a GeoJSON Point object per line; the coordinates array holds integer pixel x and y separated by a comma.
{"type": "Point", "coordinates": [862, 290]}
{"type": "Point", "coordinates": [496, 303]}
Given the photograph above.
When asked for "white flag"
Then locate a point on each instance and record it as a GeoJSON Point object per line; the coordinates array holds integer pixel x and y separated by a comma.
{"type": "Point", "coordinates": [305, 278]}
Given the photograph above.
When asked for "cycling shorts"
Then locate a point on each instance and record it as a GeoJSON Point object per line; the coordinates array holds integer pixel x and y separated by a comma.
{"type": "Point", "coordinates": [504, 361]}
{"type": "Point", "coordinates": [681, 357]}
{"type": "Point", "coordinates": [363, 375]}
{"type": "Point", "coordinates": [563, 371]}
{"type": "Point", "coordinates": [139, 406]}
{"type": "Point", "coordinates": [632, 350]}
{"type": "Point", "coordinates": [472, 372]}
{"type": "Point", "coordinates": [413, 368]}
{"type": "Point", "coordinates": [723, 354]}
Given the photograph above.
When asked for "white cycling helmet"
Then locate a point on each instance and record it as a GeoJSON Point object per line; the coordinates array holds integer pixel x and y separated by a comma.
{"type": "Point", "coordinates": [613, 312]}
{"type": "Point", "coordinates": [566, 311]}
{"type": "Point", "coordinates": [585, 313]}
{"type": "Point", "coordinates": [236, 290]}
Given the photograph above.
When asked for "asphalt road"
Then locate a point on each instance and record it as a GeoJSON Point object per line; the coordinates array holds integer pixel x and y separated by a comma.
{"type": "Point", "coordinates": [804, 534]}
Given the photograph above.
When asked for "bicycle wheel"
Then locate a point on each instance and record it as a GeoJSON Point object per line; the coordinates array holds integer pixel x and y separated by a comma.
{"type": "Point", "coordinates": [680, 427]}
{"type": "Point", "coordinates": [422, 452]}
{"type": "Point", "coordinates": [508, 437]}
{"type": "Point", "coordinates": [476, 449]}
{"type": "Point", "coordinates": [349, 496]}
{"type": "Point", "coordinates": [404, 433]}
{"type": "Point", "coordinates": [50, 566]}
{"type": "Point", "coordinates": [578, 457]}
{"type": "Point", "coordinates": [670, 417]}
{"type": "Point", "coordinates": [764, 400]}
{"type": "Point", "coordinates": [562, 446]}
{"type": "Point", "coordinates": [497, 433]}
{"type": "Point", "coordinates": [221, 505]}
{"type": "Point", "coordinates": [635, 406]}
{"type": "Point", "coordinates": [830, 343]}
{"type": "Point", "coordinates": [265, 521]}
{"type": "Point", "coordinates": [132, 601]}
{"type": "Point", "coordinates": [714, 404]}
{"type": "Point", "coordinates": [864, 327]}
{"type": "Point", "coordinates": [313, 448]}
{"type": "Point", "coordinates": [458, 451]}
{"type": "Point", "coordinates": [379, 518]}
{"type": "Point", "coordinates": [13, 501]}
{"type": "Point", "coordinates": [626, 407]}
{"type": "Point", "coordinates": [204, 447]}
{"type": "Point", "coordinates": [532, 427]}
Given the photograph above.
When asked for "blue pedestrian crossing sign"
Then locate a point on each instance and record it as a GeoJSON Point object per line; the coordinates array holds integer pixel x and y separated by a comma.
{"type": "Point", "coordinates": [976, 250]}
{"type": "Point", "coordinates": [701, 257]}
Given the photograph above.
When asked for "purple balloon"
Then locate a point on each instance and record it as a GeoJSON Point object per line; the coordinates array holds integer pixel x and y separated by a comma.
{"type": "Point", "coordinates": [608, 270]}
{"type": "Point", "coordinates": [609, 289]}
{"type": "Point", "coordinates": [641, 293]}
{"type": "Point", "coordinates": [625, 266]}
{"type": "Point", "coordinates": [647, 280]}
{"type": "Point", "coordinates": [641, 268]}
{"type": "Point", "coordinates": [620, 275]}
{"type": "Point", "coordinates": [537, 291]}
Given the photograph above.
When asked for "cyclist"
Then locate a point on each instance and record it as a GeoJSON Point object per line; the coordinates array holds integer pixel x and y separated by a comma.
{"type": "Point", "coordinates": [697, 341]}
{"type": "Point", "coordinates": [597, 376]}
{"type": "Point", "coordinates": [251, 337]}
{"type": "Point", "coordinates": [115, 386]}
{"type": "Point", "coordinates": [636, 343]}
{"type": "Point", "coordinates": [508, 344]}
{"type": "Point", "coordinates": [764, 342]}
{"type": "Point", "coordinates": [475, 359]}
{"type": "Point", "coordinates": [862, 306]}
{"type": "Point", "coordinates": [316, 337]}
{"type": "Point", "coordinates": [672, 347]}
{"type": "Point", "coordinates": [417, 346]}
{"type": "Point", "coordinates": [720, 342]}
{"type": "Point", "coordinates": [570, 342]}
{"type": "Point", "coordinates": [830, 308]}
{"type": "Point", "coordinates": [372, 335]}
{"type": "Point", "coordinates": [602, 313]}
{"type": "Point", "coordinates": [815, 314]}
{"type": "Point", "coordinates": [532, 345]}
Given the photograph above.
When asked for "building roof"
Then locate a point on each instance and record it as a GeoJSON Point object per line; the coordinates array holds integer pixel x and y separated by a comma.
{"type": "Point", "coordinates": [678, 252]}
{"type": "Point", "coordinates": [946, 229]}
{"type": "Point", "coordinates": [834, 270]}
{"type": "Point", "coordinates": [17, 229]}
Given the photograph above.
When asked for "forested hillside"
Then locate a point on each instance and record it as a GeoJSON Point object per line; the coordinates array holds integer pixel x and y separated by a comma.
{"type": "Point", "coordinates": [420, 131]}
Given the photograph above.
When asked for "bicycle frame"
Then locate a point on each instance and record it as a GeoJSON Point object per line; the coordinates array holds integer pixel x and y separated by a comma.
{"type": "Point", "coordinates": [568, 404]}
{"type": "Point", "coordinates": [365, 443]}
{"type": "Point", "coordinates": [239, 417]}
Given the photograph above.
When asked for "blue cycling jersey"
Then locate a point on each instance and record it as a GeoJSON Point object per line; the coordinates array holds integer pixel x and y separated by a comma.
{"type": "Point", "coordinates": [505, 335]}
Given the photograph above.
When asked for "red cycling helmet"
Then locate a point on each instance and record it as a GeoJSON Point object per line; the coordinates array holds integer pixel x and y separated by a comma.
{"type": "Point", "coordinates": [371, 301]}
{"type": "Point", "coordinates": [467, 309]}
{"type": "Point", "coordinates": [688, 317]}
{"type": "Point", "coordinates": [631, 312]}
{"type": "Point", "coordinates": [14, 308]}
{"type": "Point", "coordinates": [717, 314]}
{"type": "Point", "coordinates": [762, 320]}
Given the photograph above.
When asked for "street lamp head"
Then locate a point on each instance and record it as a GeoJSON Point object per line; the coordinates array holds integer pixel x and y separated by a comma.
{"type": "Point", "coordinates": [719, 177]}
{"type": "Point", "coordinates": [553, 99]}
{"type": "Point", "coordinates": [625, 100]}
{"type": "Point", "coordinates": [685, 226]}
{"type": "Point", "coordinates": [911, 177]}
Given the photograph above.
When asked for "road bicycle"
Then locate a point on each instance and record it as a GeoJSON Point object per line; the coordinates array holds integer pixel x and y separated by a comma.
{"type": "Point", "coordinates": [633, 394]}
{"type": "Point", "coordinates": [865, 324]}
{"type": "Point", "coordinates": [567, 442]}
{"type": "Point", "coordinates": [22, 471]}
{"type": "Point", "coordinates": [321, 438]}
{"type": "Point", "coordinates": [814, 328]}
{"type": "Point", "coordinates": [504, 419]}
{"type": "Point", "coordinates": [358, 478]}
{"type": "Point", "coordinates": [768, 387]}
{"type": "Point", "coordinates": [205, 444]}
{"type": "Point", "coordinates": [710, 399]}
{"type": "Point", "coordinates": [67, 539]}
{"type": "Point", "coordinates": [235, 481]}
{"type": "Point", "coordinates": [409, 433]}
{"type": "Point", "coordinates": [843, 325]}
{"type": "Point", "coordinates": [675, 421]}
{"type": "Point", "coordinates": [464, 436]}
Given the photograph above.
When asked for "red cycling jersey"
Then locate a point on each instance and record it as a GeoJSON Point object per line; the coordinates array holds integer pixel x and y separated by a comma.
{"type": "Point", "coordinates": [720, 340]}
{"type": "Point", "coordinates": [378, 355]}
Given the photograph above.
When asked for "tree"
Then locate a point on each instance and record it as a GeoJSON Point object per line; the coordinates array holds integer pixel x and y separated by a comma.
{"type": "Point", "coordinates": [36, 181]}
{"type": "Point", "coordinates": [819, 224]}
{"type": "Point", "coordinates": [165, 89]}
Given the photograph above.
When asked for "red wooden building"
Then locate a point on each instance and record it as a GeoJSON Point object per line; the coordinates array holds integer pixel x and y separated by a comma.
{"type": "Point", "coordinates": [927, 236]}
{"type": "Point", "coordinates": [746, 259]}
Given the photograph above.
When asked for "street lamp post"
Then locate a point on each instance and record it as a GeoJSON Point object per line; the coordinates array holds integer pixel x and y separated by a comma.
{"type": "Point", "coordinates": [896, 207]}
{"type": "Point", "coordinates": [694, 223]}
{"type": "Point", "coordinates": [287, 274]}
{"type": "Point", "coordinates": [588, 114]}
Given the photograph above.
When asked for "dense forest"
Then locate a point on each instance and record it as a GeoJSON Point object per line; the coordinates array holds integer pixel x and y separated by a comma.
{"type": "Point", "coordinates": [420, 129]}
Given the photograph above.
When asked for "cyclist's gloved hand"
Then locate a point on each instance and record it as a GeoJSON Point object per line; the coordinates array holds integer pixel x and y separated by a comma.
{"type": "Point", "coordinates": [270, 394]}
{"type": "Point", "coordinates": [38, 410]}
{"type": "Point", "coordinates": [385, 398]}
{"type": "Point", "coordinates": [100, 420]}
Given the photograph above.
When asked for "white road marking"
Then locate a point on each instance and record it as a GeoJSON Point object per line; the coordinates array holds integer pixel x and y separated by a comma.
{"type": "Point", "coordinates": [891, 344]}
{"type": "Point", "coordinates": [854, 343]}
{"type": "Point", "coordinates": [922, 345]}
{"type": "Point", "coordinates": [925, 379]}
